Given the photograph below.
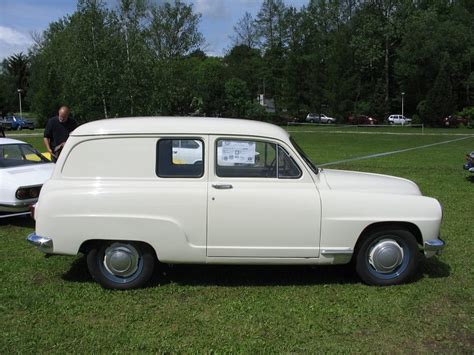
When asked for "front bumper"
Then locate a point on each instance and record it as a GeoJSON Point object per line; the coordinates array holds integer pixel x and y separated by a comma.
{"type": "Point", "coordinates": [43, 244]}
{"type": "Point", "coordinates": [433, 247]}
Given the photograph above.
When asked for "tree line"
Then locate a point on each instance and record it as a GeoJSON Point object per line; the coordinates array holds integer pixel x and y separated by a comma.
{"type": "Point", "coordinates": [338, 57]}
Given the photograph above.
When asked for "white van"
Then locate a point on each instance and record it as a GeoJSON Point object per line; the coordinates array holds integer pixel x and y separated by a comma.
{"type": "Point", "coordinates": [236, 192]}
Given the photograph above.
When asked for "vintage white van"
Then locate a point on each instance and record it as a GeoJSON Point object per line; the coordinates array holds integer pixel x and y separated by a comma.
{"type": "Point", "coordinates": [251, 196]}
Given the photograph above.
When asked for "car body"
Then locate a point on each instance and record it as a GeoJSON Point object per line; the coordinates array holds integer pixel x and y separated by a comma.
{"type": "Point", "coordinates": [118, 195]}
{"type": "Point", "coordinates": [23, 170]}
{"type": "Point", "coordinates": [453, 121]}
{"type": "Point", "coordinates": [361, 120]}
{"type": "Point", "coordinates": [469, 166]}
{"type": "Point", "coordinates": [16, 123]}
{"type": "Point", "coordinates": [398, 119]}
{"type": "Point", "coordinates": [319, 118]}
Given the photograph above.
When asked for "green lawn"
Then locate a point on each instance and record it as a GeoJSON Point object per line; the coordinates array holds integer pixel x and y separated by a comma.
{"type": "Point", "coordinates": [52, 305]}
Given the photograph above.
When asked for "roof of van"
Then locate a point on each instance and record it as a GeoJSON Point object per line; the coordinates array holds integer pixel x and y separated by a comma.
{"type": "Point", "coordinates": [180, 125]}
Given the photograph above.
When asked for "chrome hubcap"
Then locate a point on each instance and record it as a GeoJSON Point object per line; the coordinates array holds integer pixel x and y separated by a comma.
{"type": "Point", "coordinates": [386, 256]}
{"type": "Point", "coordinates": [121, 259]}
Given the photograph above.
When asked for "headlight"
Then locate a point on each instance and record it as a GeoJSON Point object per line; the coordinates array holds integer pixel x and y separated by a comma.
{"type": "Point", "coordinates": [26, 193]}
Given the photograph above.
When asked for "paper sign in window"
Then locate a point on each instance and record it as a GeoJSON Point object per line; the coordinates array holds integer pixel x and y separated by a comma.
{"type": "Point", "coordinates": [237, 152]}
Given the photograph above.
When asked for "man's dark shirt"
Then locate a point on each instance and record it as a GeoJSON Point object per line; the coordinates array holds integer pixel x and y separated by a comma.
{"type": "Point", "coordinates": [58, 132]}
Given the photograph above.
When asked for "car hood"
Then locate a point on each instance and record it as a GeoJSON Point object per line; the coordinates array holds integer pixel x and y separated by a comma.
{"type": "Point", "coordinates": [28, 175]}
{"type": "Point", "coordinates": [367, 182]}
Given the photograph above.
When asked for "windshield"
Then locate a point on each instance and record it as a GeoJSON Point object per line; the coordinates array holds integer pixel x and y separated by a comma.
{"type": "Point", "coordinates": [12, 155]}
{"type": "Point", "coordinates": [304, 156]}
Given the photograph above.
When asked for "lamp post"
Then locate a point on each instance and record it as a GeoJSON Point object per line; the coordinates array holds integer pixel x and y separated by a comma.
{"type": "Point", "coordinates": [19, 98]}
{"type": "Point", "coordinates": [403, 97]}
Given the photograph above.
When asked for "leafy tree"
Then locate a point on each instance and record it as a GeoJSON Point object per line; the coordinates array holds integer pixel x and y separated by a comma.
{"type": "Point", "coordinates": [439, 102]}
{"type": "Point", "coordinates": [245, 32]}
{"type": "Point", "coordinates": [236, 97]}
{"type": "Point", "coordinates": [18, 68]}
{"type": "Point", "coordinates": [130, 20]}
{"type": "Point", "coordinates": [174, 30]}
{"type": "Point", "coordinates": [8, 93]}
{"type": "Point", "coordinates": [246, 64]}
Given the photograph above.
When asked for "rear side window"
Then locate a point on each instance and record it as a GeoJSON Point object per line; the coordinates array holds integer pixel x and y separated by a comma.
{"type": "Point", "coordinates": [181, 158]}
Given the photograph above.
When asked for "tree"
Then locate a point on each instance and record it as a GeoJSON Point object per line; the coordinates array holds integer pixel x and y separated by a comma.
{"type": "Point", "coordinates": [18, 68]}
{"type": "Point", "coordinates": [130, 19]}
{"type": "Point", "coordinates": [270, 23]}
{"type": "Point", "coordinates": [439, 102]}
{"type": "Point", "coordinates": [236, 97]}
{"type": "Point", "coordinates": [174, 30]}
{"type": "Point", "coordinates": [246, 64]}
{"type": "Point", "coordinates": [8, 93]}
{"type": "Point", "coordinates": [245, 32]}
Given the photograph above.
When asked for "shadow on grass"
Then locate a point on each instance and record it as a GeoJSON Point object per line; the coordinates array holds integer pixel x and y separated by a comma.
{"type": "Point", "coordinates": [470, 178]}
{"type": "Point", "coordinates": [255, 275]}
{"type": "Point", "coordinates": [231, 275]}
{"type": "Point", "coordinates": [19, 221]}
{"type": "Point", "coordinates": [78, 271]}
{"type": "Point", "coordinates": [243, 275]}
{"type": "Point", "coordinates": [433, 268]}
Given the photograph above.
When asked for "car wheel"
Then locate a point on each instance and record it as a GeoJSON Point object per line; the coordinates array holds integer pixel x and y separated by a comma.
{"type": "Point", "coordinates": [387, 257]}
{"type": "Point", "coordinates": [121, 265]}
{"type": "Point", "coordinates": [312, 121]}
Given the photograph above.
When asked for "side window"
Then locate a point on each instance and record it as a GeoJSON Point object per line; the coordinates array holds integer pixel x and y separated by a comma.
{"type": "Point", "coordinates": [175, 159]}
{"type": "Point", "coordinates": [246, 158]}
{"type": "Point", "coordinates": [287, 167]}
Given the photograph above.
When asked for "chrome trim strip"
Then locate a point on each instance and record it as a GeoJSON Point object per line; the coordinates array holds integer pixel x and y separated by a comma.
{"type": "Point", "coordinates": [22, 203]}
{"type": "Point", "coordinates": [434, 245]}
{"type": "Point", "coordinates": [14, 214]}
{"type": "Point", "coordinates": [43, 243]}
{"type": "Point", "coordinates": [337, 251]}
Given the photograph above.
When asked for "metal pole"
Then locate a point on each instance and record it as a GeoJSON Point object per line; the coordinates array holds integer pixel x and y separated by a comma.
{"type": "Point", "coordinates": [19, 98]}
{"type": "Point", "coordinates": [403, 96]}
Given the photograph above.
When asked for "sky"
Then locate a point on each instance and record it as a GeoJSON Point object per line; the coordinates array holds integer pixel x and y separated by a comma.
{"type": "Point", "coordinates": [20, 18]}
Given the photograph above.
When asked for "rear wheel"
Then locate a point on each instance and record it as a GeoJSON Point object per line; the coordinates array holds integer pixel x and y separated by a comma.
{"type": "Point", "coordinates": [387, 257]}
{"type": "Point", "coordinates": [121, 265]}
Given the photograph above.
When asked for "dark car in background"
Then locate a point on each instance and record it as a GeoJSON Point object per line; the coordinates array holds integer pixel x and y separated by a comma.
{"type": "Point", "coordinates": [16, 123]}
{"type": "Point", "coordinates": [361, 120]}
{"type": "Point", "coordinates": [453, 121]}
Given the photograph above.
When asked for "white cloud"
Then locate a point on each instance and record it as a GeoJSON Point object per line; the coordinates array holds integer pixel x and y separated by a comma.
{"type": "Point", "coordinates": [212, 8]}
{"type": "Point", "coordinates": [13, 37]}
{"type": "Point", "coordinates": [13, 41]}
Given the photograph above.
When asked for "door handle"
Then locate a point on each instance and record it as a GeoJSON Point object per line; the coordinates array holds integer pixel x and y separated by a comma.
{"type": "Point", "coordinates": [222, 186]}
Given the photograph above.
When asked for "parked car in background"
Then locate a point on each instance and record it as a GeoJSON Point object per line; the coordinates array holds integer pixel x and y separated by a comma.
{"type": "Point", "coordinates": [398, 119]}
{"type": "Point", "coordinates": [361, 120]}
{"type": "Point", "coordinates": [453, 121]}
{"type": "Point", "coordinates": [16, 123]}
{"type": "Point", "coordinates": [118, 195]}
{"type": "Point", "coordinates": [319, 118]}
{"type": "Point", "coordinates": [469, 166]}
{"type": "Point", "coordinates": [23, 170]}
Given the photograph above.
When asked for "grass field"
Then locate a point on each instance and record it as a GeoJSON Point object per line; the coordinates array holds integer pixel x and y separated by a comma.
{"type": "Point", "coordinates": [52, 305]}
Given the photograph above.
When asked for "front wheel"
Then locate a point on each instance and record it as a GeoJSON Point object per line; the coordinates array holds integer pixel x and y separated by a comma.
{"type": "Point", "coordinates": [387, 257]}
{"type": "Point", "coordinates": [121, 265]}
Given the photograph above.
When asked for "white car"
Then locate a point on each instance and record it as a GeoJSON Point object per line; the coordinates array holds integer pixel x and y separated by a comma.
{"type": "Point", "coordinates": [23, 170]}
{"type": "Point", "coordinates": [319, 118]}
{"type": "Point", "coordinates": [398, 119]}
{"type": "Point", "coordinates": [118, 195]}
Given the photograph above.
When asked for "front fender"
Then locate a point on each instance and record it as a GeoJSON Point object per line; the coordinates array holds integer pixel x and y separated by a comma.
{"type": "Point", "coordinates": [346, 214]}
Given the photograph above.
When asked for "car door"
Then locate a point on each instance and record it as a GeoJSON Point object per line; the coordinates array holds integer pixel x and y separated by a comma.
{"type": "Point", "coordinates": [262, 202]}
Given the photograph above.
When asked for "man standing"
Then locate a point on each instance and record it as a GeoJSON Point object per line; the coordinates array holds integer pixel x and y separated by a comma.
{"type": "Point", "coordinates": [57, 132]}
